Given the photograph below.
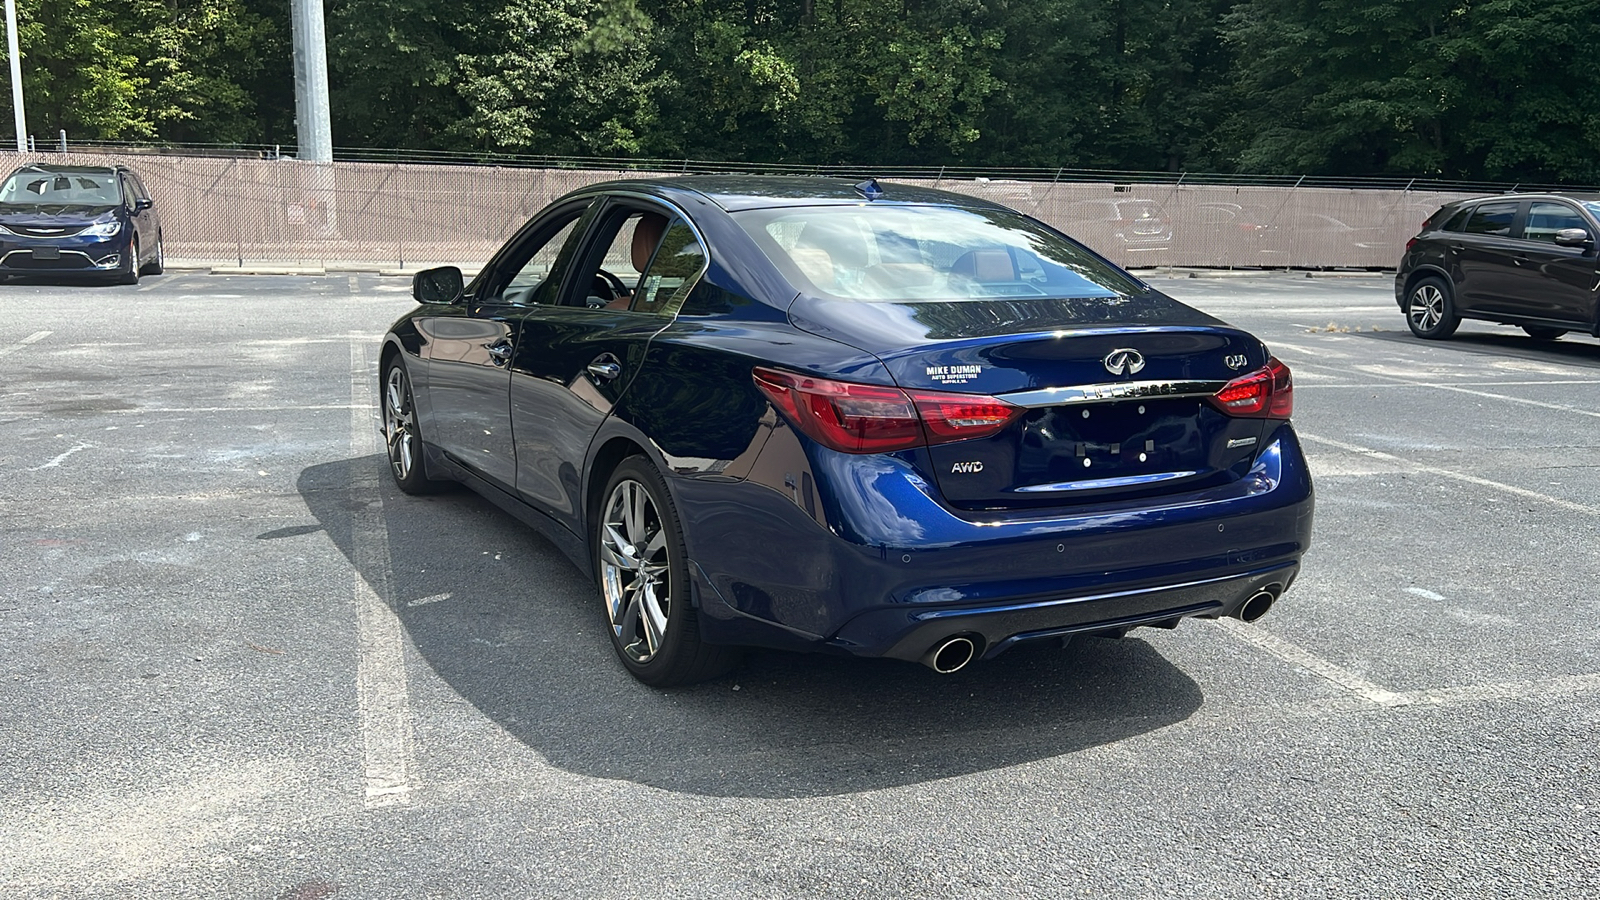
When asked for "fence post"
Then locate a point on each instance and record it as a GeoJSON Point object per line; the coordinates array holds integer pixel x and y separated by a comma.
{"type": "Point", "coordinates": [63, 146]}
{"type": "Point", "coordinates": [238, 221]}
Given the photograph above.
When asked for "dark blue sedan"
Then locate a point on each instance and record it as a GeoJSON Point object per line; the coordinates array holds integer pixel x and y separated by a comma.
{"type": "Point", "coordinates": [862, 419]}
{"type": "Point", "coordinates": [79, 220]}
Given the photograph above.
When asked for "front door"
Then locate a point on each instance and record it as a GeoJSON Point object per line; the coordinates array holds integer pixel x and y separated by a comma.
{"type": "Point", "coordinates": [1560, 282]}
{"type": "Point", "coordinates": [468, 347]}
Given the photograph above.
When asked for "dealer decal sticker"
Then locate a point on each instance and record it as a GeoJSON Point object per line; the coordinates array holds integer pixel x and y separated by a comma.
{"type": "Point", "coordinates": [954, 374]}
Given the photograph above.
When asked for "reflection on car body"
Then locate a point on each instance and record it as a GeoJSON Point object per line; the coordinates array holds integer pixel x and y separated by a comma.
{"type": "Point", "coordinates": [869, 420]}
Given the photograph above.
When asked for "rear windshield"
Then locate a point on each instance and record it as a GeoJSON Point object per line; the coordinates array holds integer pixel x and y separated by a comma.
{"type": "Point", "coordinates": [882, 253]}
{"type": "Point", "coordinates": [82, 188]}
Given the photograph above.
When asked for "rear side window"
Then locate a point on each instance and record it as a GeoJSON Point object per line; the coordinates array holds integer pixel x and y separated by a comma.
{"type": "Point", "coordinates": [1458, 221]}
{"type": "Point", "coordinates": [1493, 219]}
{"type": "Point", "coordinates": [1546, 218]}
{"type": "Point", "coordinates": [672, 271]}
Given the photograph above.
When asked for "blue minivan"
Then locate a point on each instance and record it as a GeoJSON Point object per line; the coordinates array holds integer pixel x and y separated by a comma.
{"type": "Point", "coordinates": [79, 220]}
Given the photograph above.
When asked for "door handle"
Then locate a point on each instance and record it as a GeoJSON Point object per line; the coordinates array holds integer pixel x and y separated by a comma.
{"type": "Point", "coordinates": [607, 370]}
{"type": "Point", "coordinates": [1519, 260]}
{"type": "Point", "coordinates": [500, 353]}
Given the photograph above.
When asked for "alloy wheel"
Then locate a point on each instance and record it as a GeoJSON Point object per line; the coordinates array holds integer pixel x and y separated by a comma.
{"type": "Point", "coordinates": [399, 423]}
{"type": "Point", "coordinates": [1427, 307]}
{"type": "Point", "coordinates": [635, 571]}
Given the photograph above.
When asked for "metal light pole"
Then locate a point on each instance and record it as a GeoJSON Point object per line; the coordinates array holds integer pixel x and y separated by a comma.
{"type": "Point", "coordinates": [16, 76]}
{"type": "Point", "coordinates": [310, 82]}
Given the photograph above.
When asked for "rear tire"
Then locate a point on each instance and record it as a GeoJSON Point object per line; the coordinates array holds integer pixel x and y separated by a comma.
{"type": "Point", "coordinates": [158, 263]}
{"type": "Point", "coordinates": [1541, 333]}
{"type": "Point", "coordinates": [642, 566]}
{"type": "Point", "coordinates": [1430, 312]}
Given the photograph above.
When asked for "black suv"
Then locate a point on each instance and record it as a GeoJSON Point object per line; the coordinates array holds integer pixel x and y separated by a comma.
{"type": "Point", "coordinates": [85, 220]}
{"type": "Point", "coordinates": [1524, 259]}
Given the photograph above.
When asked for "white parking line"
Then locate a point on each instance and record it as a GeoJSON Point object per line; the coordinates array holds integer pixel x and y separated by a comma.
{"type": "Point", "coordinates": [382, 689]}
{"type": "Point", "coordinates": [81, 445]}
{"type": "Point", "coordinates": [1299, 656]}
{"type": "Point", "coordinates": [1458, 476]}
{"type": "Point", "coordinates": [34, 338]}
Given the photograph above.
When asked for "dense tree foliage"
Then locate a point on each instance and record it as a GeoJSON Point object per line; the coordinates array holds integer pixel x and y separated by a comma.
{"type": "Point", "coordinates": [1495, 89]}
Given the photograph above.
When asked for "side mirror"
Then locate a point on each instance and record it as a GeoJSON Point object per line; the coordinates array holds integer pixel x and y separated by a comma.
{"type": "Point", "coordinates": [1573, 237]}
{"type": "Point", "coordinates": [143, 204]}
{"type": "Point", "coordinates": [441, 285]}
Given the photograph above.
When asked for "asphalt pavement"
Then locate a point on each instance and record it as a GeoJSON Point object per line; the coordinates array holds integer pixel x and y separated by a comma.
{"type": "Point", "coordinates": [238, 663]}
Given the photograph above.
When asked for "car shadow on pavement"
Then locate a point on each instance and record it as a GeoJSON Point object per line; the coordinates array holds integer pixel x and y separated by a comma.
{"type": "Point", "coordinates": [1575, 350]}
{"type": "Point", "coordinates": [511, 626]}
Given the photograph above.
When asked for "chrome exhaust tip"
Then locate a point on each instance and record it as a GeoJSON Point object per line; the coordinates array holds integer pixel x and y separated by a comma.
{"type": "Point", "coordinates": [1257, 606]}
{"type": "Point", "coordinates": [950, 655]}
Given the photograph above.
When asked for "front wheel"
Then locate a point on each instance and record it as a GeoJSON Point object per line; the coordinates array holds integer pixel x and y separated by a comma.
{"type": "Point", "coordinates": [132, 275]}
{"type": "Point", "coordinates": [1429, 311]}
{"type": "Point", "coordinates": [1541, 333]}
{"type": "Point", "coordinates": [642, 566]}
{"type": "Point", "coordinates": [401, 434]}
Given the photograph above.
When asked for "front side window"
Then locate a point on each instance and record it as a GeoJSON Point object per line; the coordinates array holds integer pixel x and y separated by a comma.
{"type": "Point", "coordinates": [928, 253]}
{"type": "Point", "coordinates": [1546, 218]}
{"type": "Point", "coordinates": [33, 186]}
{"type": "Point", "coordinates": [535, 277]}
{"type": "Point", "coordinates": [1492, 219]}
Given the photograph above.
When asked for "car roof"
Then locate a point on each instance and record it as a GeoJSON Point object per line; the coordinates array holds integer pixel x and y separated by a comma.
{"type": "Point", "coordinates": [55, 169]}
{"type": "Point", "coordinates": [1546, 195]}
{"type": "Point", "coordinates": [740, 192]}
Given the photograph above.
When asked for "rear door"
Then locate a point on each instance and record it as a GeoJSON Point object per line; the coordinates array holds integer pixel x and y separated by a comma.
{"type": "Point", "coordinates": [1485, 257]}
{"type": "Point", "coordinates": [577, 354]}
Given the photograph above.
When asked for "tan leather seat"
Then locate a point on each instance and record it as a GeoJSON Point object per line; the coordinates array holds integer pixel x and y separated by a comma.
{"type": "Point", "coordinates": [647, 234]}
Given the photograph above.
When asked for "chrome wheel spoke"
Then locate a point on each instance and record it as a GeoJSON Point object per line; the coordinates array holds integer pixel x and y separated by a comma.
{"type": "Point", "coordinates": [613, 558]}
{"type": "Point", "coordinates": [655, 545]}
{"type": "Point", "coordinates": [652, 616]}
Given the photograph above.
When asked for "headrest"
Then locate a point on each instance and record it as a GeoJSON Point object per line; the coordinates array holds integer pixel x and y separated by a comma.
{"type": "Point", "coordinates": [985, 266]}
{"type": "Point", "coordinates": [647, 234]}
{"type": "Point", "coordinates": [815, 263]}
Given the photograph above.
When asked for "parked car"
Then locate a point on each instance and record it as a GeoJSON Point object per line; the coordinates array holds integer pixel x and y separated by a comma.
{"type": "Point", "coordinates": [1525, 260]}
{"type": "Point", "coordinates": [79, 220]}
{"type": "Point", "coordinates": [868, 420]}
{"type": "Point", "coordinates": [1127, 227]}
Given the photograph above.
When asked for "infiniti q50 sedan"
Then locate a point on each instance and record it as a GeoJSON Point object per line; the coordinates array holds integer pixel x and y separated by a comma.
{"type": "Point", "coordinates": [862, 419]}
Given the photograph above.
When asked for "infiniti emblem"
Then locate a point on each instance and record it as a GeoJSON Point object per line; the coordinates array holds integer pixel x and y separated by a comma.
{"type": "Point", "coordinates": [1125, 360]}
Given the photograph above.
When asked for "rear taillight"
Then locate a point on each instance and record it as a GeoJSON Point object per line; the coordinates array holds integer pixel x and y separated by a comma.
{"type": "Point", "coordinates": [1266, 393]}
{"type": "Point", "coordinates": [865, 418]}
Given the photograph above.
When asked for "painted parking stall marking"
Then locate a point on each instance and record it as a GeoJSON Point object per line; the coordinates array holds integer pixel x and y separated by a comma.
{"type": "Point", "coordinates": [34, 338]}
{"type": "Point", "coordinates": [382, 688]}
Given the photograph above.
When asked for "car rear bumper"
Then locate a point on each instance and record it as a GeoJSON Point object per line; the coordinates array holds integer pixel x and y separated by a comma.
{"type": "Point", "coordinates": [883, 569]}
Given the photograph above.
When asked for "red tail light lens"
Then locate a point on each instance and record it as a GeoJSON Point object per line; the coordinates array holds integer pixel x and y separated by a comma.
{"type": "Point", "coordinates": [864, 418]}
{"type": "Point", "coordinates": [1266, 393]}
{"type": "Point", "coordinates": [957, 417]}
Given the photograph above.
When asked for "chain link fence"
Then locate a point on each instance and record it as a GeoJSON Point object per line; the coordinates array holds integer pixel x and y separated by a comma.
{"type": "Point", "coordinates": [219, 212]}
